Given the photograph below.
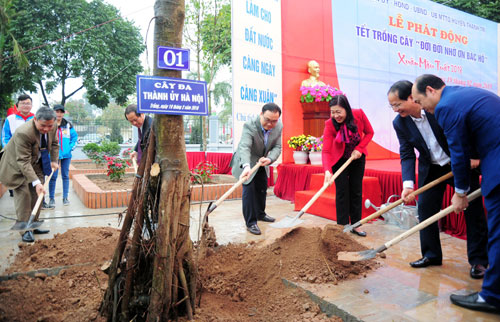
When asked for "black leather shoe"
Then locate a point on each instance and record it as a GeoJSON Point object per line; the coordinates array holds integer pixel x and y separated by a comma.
{"type": "Point", "coordinates": [424, 262]}
{"type": "Point", "coordinates": [40, 231]}
{"type": "Point", "coordinates": [28, 237]}
{"type": "Point", "coordinates": [477, 271]}
{"type": "Point", "coordinates": [254, 229]}
{"type": "Point", "coordinates": [360, 233]}
{"type": "Point", "coordinates": [267, 219]}
{"type": "Point", "coordinates": [470, 302]}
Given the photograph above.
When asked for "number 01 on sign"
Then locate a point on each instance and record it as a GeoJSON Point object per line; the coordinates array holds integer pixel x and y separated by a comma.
{"type": "Point", "coordinates": [173, 58]}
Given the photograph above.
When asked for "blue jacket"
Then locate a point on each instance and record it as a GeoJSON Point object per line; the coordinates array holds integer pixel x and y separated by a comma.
{"type": "Point", "coordinates": [12, 122]}
{"type": "Point", "coordinates": [470, 118]}
{"type": "Point", "coordinates": [67, 137]}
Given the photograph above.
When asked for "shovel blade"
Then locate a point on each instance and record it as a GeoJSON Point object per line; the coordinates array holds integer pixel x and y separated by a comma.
{"type": "Point", "coordinates": [347, 228]}
{"type": "Point", "coordinates": [23, 225]}
{"type": "Point", "coordinates": [287, 222]}
{"type": "Point", "coordinates": [357, 256]}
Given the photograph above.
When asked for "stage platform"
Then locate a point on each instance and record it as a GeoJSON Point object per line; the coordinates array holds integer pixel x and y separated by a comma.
{"type": "Point", "coordinates": [294, 177]}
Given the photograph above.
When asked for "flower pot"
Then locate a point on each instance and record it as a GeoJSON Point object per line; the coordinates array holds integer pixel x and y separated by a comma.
{"type": "Point", "coordinates": [300, 157]}
{"type": "Point", "coordinates": [315, 158]}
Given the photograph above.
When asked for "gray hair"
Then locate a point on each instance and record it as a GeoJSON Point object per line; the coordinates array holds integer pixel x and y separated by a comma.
{"type": "Point", "coordinates": [45, 113]}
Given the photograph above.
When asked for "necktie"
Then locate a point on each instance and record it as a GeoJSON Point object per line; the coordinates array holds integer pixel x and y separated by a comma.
{"type": "Point", "coordinates": [139, 150]}
{"type": "Point", "coordinates": [44, 142]}
{"type": "Point", "coordinates": [44, 156]}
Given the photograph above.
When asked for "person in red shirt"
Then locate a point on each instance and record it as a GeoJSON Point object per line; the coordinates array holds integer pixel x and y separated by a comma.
{"type": "Point", "coordinates": [346, 134]}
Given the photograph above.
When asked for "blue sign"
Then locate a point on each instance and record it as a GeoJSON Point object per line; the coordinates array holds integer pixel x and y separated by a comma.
{"type": "Point", "coordinates": [173, 58]}
{"type": "Point", "coordinates": [175, 96]}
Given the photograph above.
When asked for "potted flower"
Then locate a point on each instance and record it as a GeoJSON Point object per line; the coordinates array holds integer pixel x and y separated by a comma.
{"type": "Point", "coordinates": [318, 93]}
{"type": "Point", "coordinates": [315, 107]}
{"type": "Point", "coordinates": [317, 147]}
{"type": "Point", "coordinates": [301, 146]}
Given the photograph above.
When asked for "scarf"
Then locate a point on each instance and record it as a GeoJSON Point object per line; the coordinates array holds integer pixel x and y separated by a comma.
{"type": "Point", "coordinates": [343, 135]}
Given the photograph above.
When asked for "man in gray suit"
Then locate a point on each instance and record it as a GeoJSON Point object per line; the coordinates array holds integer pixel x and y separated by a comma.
{"type": "Point", "coordinates": [260, 142]}
{"type": "Point", "coordinates": [21, 166]}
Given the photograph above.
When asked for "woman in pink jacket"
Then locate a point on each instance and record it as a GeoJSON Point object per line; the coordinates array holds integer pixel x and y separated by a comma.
{"type": "Point", "coordinates": [346, 134]}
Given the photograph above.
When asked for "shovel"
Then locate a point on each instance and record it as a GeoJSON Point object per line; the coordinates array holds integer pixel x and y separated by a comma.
{"type": "Point", "coordinates": [134, 163]}
{"type": "Point", "coordinates": [32, 223]}
{"type": "Point", "coordinates": [381, 211]}
{"type": "Point", "coordinates": [289, 222]}
{"type": "Point", "coordinates": [371, 253]}
{"type": "Point", "coordinates": [212, 206]}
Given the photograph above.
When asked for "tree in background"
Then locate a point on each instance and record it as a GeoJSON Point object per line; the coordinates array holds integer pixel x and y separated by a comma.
{"type": "Point", "coordinates": [488, 9]}
{"type": "Point", "coordinates": [208, 34]}
{"type": "Point", "coordinates": [10, 51]}
{"type": "Point", "coordinates": [75, 109]}
{"type": "Point", "coordinates": [81, 40]}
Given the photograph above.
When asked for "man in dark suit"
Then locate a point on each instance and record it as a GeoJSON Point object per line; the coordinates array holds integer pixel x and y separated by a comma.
{"type": "Point", "coordinates": [23, 166]}
{"type": "Point", "coordinates": [143, 123]}
{"type": "Point", "coordinates": [470, 118]}
{"type": "Point", "coordinates": [419, 130]}
{"type": "Point", "coordinates": [260, 142]}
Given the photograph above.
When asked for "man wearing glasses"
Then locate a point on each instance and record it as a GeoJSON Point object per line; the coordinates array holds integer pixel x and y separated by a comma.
{"type": "Point", "coordinates": [21, 115]}
{"type": "Point", "coordinates": [417, 129]}
{"type": "Point", "coordinates": [260, 142]}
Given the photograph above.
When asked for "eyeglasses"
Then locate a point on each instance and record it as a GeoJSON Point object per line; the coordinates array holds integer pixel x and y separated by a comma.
{"type": "Point", "coordinates": [395, 106]}
{"type": "Point", "coordinates": [269, 121]}
{"type": "Point", "coordinates": [24, 103]}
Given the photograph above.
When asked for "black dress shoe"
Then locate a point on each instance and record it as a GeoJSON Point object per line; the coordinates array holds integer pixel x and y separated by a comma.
{"type": "Point", "coordinates": [254, 229]}
{"type": "Point", "coordinates": [470, 302]}
{"type": "Point", "coordinates": [477, 271]}
{"type": "Point", "coordinates": [424, 262]}
{"type": "Point", "coordinates": [267, 219]}
{"type": "Point", "coordinates": [28, 237]}
{"type": "Point", "coordinates": [359, 233]}
{"type": "Point", "coordinates": [40, 231]}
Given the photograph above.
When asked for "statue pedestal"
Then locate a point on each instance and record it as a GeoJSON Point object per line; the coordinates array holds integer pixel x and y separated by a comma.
{"type": "Point", "coordinates": [314, 116]}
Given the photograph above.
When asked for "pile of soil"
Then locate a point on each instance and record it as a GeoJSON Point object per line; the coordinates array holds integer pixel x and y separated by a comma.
{"type": "Point", "coordinates": [74, 294]}
{"type": "Point", "coordinates": [241, 282]}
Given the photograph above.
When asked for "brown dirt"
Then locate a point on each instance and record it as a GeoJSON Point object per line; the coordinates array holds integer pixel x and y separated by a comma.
{"type": "Point", "coordinates": [103, 182]}
{"type": "Point", "coordinates": [88, 165]}
{"type": "Point", "coordinates": [241, 282]}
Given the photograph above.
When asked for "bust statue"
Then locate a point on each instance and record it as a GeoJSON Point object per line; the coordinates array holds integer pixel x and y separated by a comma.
{"type": "Point", "coordinates": [313, 70]}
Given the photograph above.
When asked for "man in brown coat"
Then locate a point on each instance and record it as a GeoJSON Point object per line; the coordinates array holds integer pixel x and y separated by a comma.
{"type": "Point", "coordinates": [21, 167]}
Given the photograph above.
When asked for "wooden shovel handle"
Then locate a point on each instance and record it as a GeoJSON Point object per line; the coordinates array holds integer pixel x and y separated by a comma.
{"type": "Point", "coordinates": [400, 201]}
{"type": "Point", "coordinates": [326, 185]}
{"type": "Point", "coordinates": [429, 221]}
{"type": "Point", "coordinates": [236, 185]}
{"type": "Point", "coordinates": [40, 196]}
{"type": "Point", "coordinates": [134, 163]}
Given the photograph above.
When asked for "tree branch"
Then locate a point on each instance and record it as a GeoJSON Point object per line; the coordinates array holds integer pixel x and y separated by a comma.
{"type": "Point", "coordinates": [76, 90]}
{"type": "Point", "coordinates": [43, 92]}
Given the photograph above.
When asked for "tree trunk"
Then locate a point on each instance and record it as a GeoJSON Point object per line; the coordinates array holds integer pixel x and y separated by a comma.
{"type": "Point", "coordinates": [157, 281]}
{"type": "Point", "coordinates": [173, 262]}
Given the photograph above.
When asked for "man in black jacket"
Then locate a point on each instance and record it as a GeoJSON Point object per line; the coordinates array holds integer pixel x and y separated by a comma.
{"type": "Point", "coordinates": [143, 124]}
{"type": "Point", "coordinates": [419, 130]}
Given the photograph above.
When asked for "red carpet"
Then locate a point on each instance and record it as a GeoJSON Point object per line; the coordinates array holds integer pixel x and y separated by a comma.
{"type": "Point", "coordinates": [325, 205]}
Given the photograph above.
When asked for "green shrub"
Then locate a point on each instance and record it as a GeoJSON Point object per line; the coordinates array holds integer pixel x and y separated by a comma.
{"type": "Point", "coordinates": [110, 148]}
{"type": "Point", "coordinates": [91, 148]}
